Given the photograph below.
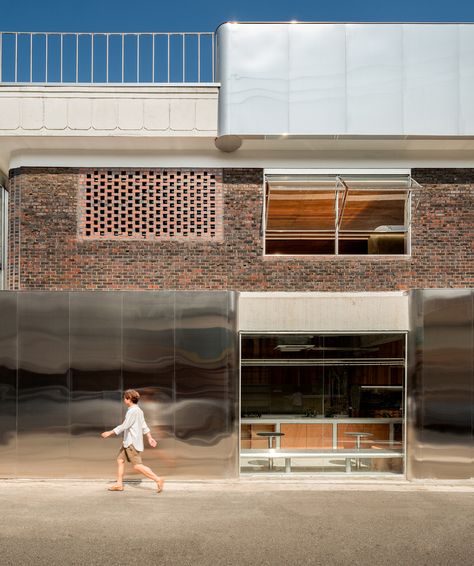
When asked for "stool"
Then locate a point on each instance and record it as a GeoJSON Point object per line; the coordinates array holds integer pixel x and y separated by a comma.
{"type": "Point", "coordinates": [358, 436]}
{"type": "Point", "coordinates": [270, 436]}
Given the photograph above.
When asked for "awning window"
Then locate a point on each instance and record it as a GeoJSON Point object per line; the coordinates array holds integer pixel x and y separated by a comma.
{"type": "Point", "coordinates": [311, 214]}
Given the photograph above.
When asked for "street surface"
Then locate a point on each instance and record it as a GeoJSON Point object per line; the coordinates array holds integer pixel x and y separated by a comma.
{"type": "Point", "coordinates": [243, 523]}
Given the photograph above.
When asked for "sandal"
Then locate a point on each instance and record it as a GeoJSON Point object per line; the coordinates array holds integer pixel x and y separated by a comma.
{"type": "Point", "coordinates": [115, 488]}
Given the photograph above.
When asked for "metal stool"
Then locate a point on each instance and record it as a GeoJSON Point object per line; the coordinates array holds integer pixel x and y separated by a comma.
{"type": "Point", "coordinates": [270, 436]}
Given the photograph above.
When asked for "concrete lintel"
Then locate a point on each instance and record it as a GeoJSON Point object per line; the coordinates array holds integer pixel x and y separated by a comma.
{"type": "Point", "coordinates": [324, 312]}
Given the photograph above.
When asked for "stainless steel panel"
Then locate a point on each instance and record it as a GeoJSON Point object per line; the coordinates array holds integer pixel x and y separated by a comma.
{"type": "Point", "coordinates": [8, 382]}
{"type": "Point", "coordinates": [256, 77]}
{"type": "Point", "coordinates": [317, 90]}
{"type": "Point", "coordinates": [430, 79]}
{"type": "Point", "coordinates": [326, 79]}
{"type": "Point", "coordinates": [78, 351]}
{"type": "Point", "coordinates": [374, 79]}
{"type": "Point", "coordinates": [43, 383]}
{"type": "Point", "coordinates": [466, 78]}
{"type": "Point", "coordinates": [441, 386]}
{"type": "Point", "coordinates": [206, 385]}
{"type": "Point", "coordinates": [148, 367]}
{"type": "Point", "coordinates": [96, 381]}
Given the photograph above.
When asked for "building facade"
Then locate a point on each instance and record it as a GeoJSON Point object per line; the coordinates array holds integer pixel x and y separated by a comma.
{"type": "Point", "coordinates": [280, 258]}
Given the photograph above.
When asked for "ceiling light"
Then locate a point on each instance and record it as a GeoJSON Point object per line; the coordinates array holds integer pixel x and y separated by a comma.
{"type": "Point", "coordinates": [294, 347]}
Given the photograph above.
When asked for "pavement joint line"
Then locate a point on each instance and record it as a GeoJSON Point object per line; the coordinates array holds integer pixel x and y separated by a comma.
{"type": "Point", "coordinates": [254, 485]}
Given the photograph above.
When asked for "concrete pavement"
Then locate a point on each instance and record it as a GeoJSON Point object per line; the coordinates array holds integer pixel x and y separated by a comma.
{"type": "Point", "coordinates": [243, 522]}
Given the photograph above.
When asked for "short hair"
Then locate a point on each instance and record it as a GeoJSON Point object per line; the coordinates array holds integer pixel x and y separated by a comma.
{"type": "Point", "coordinates": [132, 395]}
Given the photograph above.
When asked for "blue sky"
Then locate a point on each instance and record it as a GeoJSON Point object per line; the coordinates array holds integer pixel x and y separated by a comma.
{"type": "Point", "coordinates": [206, 15]}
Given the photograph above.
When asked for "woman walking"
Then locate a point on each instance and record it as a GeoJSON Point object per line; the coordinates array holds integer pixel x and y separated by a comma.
{"type": "Point", "coordinates": [133, 428]}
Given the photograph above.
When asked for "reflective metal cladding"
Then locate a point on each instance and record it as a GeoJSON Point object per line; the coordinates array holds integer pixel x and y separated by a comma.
{"type": "Point", "coordinates": [345, 79]}
{"type": "Point", "coordinates": [8, 382]}
{"type": "Point", "coordinates": [441, 385]}
{"type": "Point", "coordinates": [66, 358]}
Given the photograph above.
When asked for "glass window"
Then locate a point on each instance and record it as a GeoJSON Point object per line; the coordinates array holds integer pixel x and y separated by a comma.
{"type": "Point", "coordinates": [338, 215]}
{"type": "Point", "coordinates": [3, 236]}
{"type": "Point", "coordinates": [321, 395]}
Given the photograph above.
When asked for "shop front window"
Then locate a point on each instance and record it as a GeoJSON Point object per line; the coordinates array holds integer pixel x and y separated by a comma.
{"type": "Point", "coordinates": [323, 397]}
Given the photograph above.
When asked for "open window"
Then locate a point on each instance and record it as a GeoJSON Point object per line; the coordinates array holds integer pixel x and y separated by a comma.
{"type": "Point", "coordinates": [337, 214]}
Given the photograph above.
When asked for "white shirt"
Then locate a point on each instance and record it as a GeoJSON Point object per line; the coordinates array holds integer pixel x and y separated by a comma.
{"type": "Point", "coordinates": [133, 427]}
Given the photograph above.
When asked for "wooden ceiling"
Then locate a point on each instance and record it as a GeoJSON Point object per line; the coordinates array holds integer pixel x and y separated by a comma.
{"type": "Point", "coordinates": [308, 209]}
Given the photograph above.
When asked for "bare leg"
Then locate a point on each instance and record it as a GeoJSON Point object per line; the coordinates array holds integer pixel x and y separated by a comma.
{"type": "Point", "coordinates": [120, 471]}
{"type": "Point", "coordinates": [148, 472]}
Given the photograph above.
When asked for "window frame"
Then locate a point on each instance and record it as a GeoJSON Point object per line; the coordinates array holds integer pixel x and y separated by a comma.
{"type": "Point", "coordinates": [3, 236]}
{"type": "Point", "coordinates": [339, 177]}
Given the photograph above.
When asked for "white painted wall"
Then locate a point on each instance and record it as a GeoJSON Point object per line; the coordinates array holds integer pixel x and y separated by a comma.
{"type": "Point", "coordinates": [94, 110]}
{"type": "Point", "coordinates": [323, 312]}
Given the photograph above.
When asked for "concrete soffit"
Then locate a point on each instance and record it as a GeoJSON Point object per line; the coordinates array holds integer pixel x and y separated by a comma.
{"type": "Point", "coordinates": [176, 125]}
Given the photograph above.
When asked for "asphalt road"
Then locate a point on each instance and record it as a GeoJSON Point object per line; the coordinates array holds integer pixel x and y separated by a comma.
{"type": "Point", "coordinates": [81, 523]}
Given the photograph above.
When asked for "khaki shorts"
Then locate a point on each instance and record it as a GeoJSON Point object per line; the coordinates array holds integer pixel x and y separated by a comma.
{"type": "Point", "coordinates": [130, 454]}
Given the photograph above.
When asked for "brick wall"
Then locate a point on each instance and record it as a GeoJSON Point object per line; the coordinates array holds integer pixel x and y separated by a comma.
{"type": "Point", "coordinates": [46, 253]}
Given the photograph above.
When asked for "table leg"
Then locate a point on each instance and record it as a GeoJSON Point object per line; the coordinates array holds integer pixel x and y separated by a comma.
{"type": "Point", "coordinates": [270, 460]}
{"type": "Point", "coordinates": [334, 436]}
{"type": "Point", "coordinates": [278, 438]}
{"type": "Point", "coordinates": [358, 448]}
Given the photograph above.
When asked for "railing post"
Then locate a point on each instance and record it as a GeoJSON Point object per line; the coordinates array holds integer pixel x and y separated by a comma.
{"type": "Point", "coordinates": [213, 72]}
{"type": "Point", "coordinates": [123, 56]}
{"type": "Point", "coordinates": [61, 59]}
{"type": "Point", "coordinates": [92, 58]}
{"type": "Point", "coordinates": [138, 57]}
{"type": "Point", "coordinates": [31, 57]}
{"type": "Point", "coordinates": [168, 57]}
{"type": "Point", "coordinates": [16, 57]}
{"type": "Point", "coordinates": [199, 57]}
{"type": "Point", "coordinates": [107, 36]}
{"type": "Point", "coordinates": [184, 57]}
{"type": "Point", "coordinates": [46, 41]}
{"type": "Point", "coordinates": [152, 57]}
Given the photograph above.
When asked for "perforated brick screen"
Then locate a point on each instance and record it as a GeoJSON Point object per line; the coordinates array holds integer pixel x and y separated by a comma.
{"type": "Point", "coordinates": [157, 204]}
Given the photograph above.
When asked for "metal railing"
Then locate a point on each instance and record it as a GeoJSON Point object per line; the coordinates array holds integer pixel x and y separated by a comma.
{"type": "Point", "coordinates": [54, 57]}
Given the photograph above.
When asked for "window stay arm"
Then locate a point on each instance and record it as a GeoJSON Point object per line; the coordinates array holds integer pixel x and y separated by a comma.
{"type": "Point", "coordinates": [266, 202]}
{"type": "Point", "coordinates": [344, 199]}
